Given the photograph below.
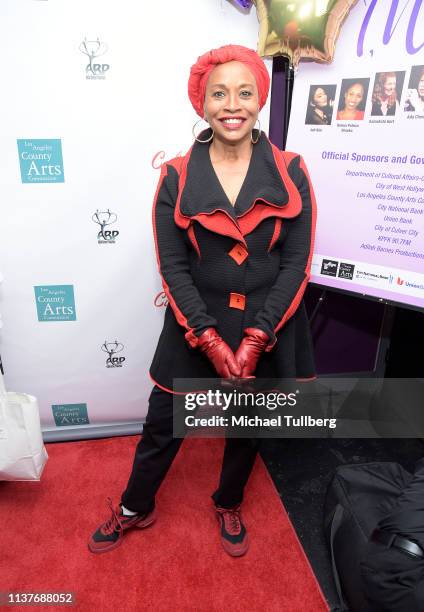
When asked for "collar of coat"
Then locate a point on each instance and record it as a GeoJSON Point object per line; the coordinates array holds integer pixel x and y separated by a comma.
{"type": "Point", "coordinates": [267, 191]}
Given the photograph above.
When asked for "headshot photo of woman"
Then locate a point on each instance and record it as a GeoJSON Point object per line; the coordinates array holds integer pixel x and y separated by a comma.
{"type": "Point", "coordinates": [353, 96]}
{"type": "Point", "coordinates": [320, 104]}
{"type": "Point", "coordinates": [414, 100]}
{"type": "Point", "coordinates": [234, 224]}
{"type": "Point", "coordinates": [387, 93]}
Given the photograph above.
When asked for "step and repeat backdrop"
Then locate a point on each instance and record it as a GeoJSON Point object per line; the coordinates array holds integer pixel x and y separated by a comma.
{"type": "Point", "coordinates": [360, 125]}
{"type": "Point", "coordinates": [93, 101]}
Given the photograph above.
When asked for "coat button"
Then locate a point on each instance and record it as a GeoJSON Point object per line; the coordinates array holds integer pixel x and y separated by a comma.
{"type": "Point", "coordinates": [237, 300]}
{"type": "Point", "coordinates": [238, 253]}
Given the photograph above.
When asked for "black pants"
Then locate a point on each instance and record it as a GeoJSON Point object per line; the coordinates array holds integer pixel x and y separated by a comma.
{"type": "Point", "coordinates": [157, 449]}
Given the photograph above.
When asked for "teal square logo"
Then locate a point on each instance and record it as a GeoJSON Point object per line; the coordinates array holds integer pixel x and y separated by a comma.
{"type": "Point", "coordinates": [55, 303]}
{"type": "Point", "coordinates": [70, 414]}
{"type": "Point", "coordinates": [41, 160]}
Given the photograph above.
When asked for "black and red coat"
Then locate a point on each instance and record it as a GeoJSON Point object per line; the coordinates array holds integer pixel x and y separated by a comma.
{"type": "Point", "coordinates": [232, 267]}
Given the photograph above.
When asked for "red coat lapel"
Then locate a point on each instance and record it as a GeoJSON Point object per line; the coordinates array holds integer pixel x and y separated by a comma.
{"type": "Point", "coordinates": [267, 191]}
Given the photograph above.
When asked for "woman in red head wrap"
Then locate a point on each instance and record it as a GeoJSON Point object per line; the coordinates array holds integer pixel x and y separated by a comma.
{"type": "Point", "coordinates": [234, 223]}
{"type": "Point", "coordinates": [201, 70]}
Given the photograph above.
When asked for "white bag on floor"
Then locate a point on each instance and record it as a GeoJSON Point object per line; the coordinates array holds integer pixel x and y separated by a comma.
{"type": "Point", "coordinates": [22, 452]}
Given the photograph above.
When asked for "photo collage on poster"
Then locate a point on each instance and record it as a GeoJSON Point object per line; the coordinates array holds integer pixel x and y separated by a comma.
{"type": "Point", "coordinates": [386, 97]}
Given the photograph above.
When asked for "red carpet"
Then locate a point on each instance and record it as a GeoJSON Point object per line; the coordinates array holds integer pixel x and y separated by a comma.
{"type": "Point", "coordinates": [176, 564]}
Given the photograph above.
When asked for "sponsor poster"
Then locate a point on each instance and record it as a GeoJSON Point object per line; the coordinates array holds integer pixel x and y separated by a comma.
{"type": "Point", "coordinates": [359, 124]}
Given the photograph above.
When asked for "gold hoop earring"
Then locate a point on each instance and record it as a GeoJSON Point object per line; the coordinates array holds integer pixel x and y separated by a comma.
{"type": "Point", "coordinates": [259, 133]}
{"type": "Point", "coordinates": [195, 137]}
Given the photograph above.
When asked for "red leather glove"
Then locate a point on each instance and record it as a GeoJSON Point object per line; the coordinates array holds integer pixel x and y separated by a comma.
{"type": "Point", "coordinates": [250, 349]}
{"type": "Point", "coordinates": [219, 353]}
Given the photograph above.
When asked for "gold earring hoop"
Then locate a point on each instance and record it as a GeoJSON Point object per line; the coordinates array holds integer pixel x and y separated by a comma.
{"type": "Point", "coordinates": [195, 137]}
{"type": "Point", "coordinates": [259, 133]}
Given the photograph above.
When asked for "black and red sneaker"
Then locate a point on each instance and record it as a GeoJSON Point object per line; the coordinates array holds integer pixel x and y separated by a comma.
{"type": "Point", "coordinates": [109, 535]}
{"type": "Point", "coordinates": [234, 536]}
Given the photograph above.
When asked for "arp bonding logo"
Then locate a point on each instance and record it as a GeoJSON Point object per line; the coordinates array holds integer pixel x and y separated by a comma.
{"type": "Point", "coordinates": [93, 49]}
{"type": "Point", "coordinates": [55, 303]}
{"type": "Point", "coordinates": [41, 160]}
{"type": "Point", "coordinates": [70, 414]}
{"type": "Point", "coordinates": [112, 348]}
{"type": "Point", "coordinates": [104, 218]}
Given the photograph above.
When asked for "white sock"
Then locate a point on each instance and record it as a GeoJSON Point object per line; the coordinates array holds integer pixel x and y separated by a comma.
{"type": "Point", "coordinates": [127, 512]}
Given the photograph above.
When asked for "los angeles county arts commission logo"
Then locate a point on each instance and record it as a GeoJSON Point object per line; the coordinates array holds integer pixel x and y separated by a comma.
{"type": "Point", "coordinates": [332, 267]}
{"type": "Point", "coordinates": [93, 49]}
{"type": "Point", "coordinates": [41, 160]}
{"type": "Point", "coordinates": [55, 303]}
{"type": "Point", "coordinates": [66, 415]}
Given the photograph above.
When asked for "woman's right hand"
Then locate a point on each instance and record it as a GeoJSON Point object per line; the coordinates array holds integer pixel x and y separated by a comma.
{"type": "Point", "coordinates": [219, 353]}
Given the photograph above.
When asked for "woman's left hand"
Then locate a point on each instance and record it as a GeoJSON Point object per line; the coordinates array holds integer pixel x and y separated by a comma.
{"type": "Point", "coordinates": [250, 349]}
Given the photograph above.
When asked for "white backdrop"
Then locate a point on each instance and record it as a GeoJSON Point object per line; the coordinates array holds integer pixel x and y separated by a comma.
{"type": "Point", "coordinates": [110, 130]}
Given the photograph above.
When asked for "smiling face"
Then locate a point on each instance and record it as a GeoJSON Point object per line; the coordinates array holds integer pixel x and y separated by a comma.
{"type": "Point", "coordinates": [231, 102]}
{"type": "Point", "coordinates": [389, 86]}
{"type": "Point", "coordinates": [320, 97]}
{"type": "Point", "coordinates": [353, 96]}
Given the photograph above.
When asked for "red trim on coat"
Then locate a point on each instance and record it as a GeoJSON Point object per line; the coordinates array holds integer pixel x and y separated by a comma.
{"type": "Point", "coordinates": [258, 211]}
{"type": "Point", "coordinates": [288, 157]}
{"type": "Point", "coordinates": [177, 392]}
{"type": "Point", "coordinates": [176, 163]}
{"type": "Point", "coordinates": [183, 221]}
{"type": "Point", "coordinates": [221, 222]}
{"type": "Point", "coordinates": [181, 318]}
{"type": "Point", "coordinates": [298, 297]}
{"type": "Point", "coordinates": [218, 221]}
{"type": "Point", "coordinates": [276, 234]}
{"type": "Point", "coordinates": [193, 238]}
{"type": "Point", "coordinates": [166, 388]}
{"type": "Point", "coordinates": [283, 159]}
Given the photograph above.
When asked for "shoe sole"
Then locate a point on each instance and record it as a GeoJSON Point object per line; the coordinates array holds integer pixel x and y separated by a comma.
{"type": "Point", "coordinates": [140, 525]}
{"type": "Point", "coordinates": [237, 553]}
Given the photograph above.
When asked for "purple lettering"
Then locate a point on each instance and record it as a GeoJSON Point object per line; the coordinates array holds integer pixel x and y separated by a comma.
{"type": "Point", "coordinates": [392, 24]}
{"type": "Point", "coordinates": [411, 28]}
{"type": "Point", "coordinates": [389, 29]}
{"type": "Point", "coordinates": [365, 23]}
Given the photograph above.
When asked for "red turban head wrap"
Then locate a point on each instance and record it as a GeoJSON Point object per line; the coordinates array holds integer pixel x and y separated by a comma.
{"type": "Point", "coordinates": [199, 72]}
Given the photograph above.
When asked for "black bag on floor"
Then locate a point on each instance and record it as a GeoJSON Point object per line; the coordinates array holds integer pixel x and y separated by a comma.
{"type": "Point", "coordinates": [357, 498]}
